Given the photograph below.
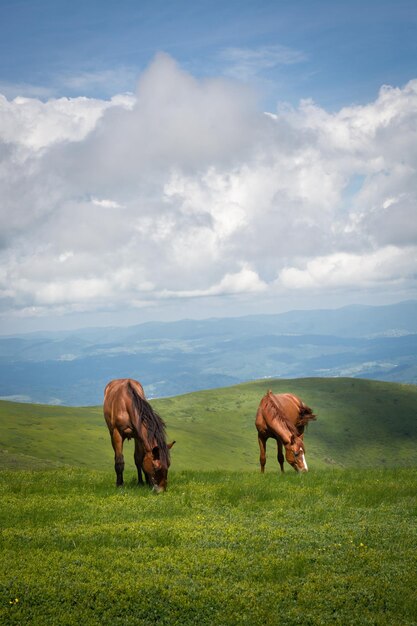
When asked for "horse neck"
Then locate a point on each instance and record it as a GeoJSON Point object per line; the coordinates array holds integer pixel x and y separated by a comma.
{"type": "Point", "coordinates": [276, 421]}
{"type": "Point", "coordinates": [149, 425]}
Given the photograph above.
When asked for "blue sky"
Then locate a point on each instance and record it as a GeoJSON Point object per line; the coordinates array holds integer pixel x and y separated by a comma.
{"type": "Point", "coordinates": [162, 160]}
{"type": "Point", "coordinates": [339, 53]}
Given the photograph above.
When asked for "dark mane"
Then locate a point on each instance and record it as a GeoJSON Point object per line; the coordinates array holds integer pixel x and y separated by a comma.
{"type": "Point", "coordinates": [154, 424]}
{"type": "Point", "coordinates": [276, 411]}
{"type": "Point", "coordinates": [306, 415]}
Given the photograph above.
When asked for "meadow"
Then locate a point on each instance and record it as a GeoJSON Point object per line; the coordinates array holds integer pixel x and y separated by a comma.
{"type": "Point", "coordinates": [219, 548]}
{"type": "Point", "coordinates": [224, 545]}
{"type": "Point", "coordinates": [361, 423]}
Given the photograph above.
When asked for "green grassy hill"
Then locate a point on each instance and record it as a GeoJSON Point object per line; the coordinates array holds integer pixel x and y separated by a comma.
{"type": "Point", "coordinates": [220, 548]}
{"type": "Point", "coordinates": [361, 423]}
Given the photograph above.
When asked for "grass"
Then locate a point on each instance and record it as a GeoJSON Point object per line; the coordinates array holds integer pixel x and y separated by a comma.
{"type": "Point", "coordinates": [219, 548]}
{"type": "Point", "coordinates": [225, 545]}
{"type": "Point", "coordinates": [360, 423]}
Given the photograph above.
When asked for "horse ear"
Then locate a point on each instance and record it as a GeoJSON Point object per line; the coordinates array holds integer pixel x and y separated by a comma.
{"type": "Point", "coordinates": [292, 440]}
{"type": "Point", "coordinates": [155, 453]}
{"type": "Point", "coordinates": [169, 445]}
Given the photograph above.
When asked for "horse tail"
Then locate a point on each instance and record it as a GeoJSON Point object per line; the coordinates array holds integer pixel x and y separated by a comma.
{"type": "Point", "coordinates": [153, 423]}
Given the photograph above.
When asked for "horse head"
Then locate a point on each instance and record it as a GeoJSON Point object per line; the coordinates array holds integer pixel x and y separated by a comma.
{"type": "Point", "coordinates": [156, 468]}
{"type": "Point", "coordinates": [295, 454]}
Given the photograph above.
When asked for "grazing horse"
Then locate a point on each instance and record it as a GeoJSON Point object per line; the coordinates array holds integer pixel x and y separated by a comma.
{"type": "Point", "coordinates": [129, 415]}
{"type": "Point", "coordinates": [283, 417]}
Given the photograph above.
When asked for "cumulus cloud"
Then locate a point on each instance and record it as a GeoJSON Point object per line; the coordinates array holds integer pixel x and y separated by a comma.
{"type": "Point", "coordinates": [34, 124]}
{"type": "Point", "coordinates": [244, 281]}
{"type": "Point", "coordinates": [341, 270]}
{"type": "Point", "coordinates": [187, 190]}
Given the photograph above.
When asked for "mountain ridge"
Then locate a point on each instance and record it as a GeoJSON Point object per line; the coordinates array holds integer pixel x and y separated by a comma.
{"type": "Point", "coordinates": [170, 358]}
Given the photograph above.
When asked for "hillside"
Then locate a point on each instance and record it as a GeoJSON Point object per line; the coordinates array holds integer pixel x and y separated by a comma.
{"type": "Point", "coordinates": [72, 368]}
{"type": "Point", "coordinates": [361, 423]}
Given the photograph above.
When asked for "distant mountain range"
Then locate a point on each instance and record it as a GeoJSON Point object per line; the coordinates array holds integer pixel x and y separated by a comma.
{"type": "Point", "coordinates": [172, 358]}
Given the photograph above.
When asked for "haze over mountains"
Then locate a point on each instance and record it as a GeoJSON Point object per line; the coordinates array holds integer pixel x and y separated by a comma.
{"type": "Point", "coordinates": [177, 357]}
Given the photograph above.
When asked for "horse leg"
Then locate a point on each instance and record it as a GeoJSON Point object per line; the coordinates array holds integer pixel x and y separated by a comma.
{"type": "Point", "coordinates": [262, 450]}
{"type": "Point", "coordinates": [139, 461]}
{"type": "Point", "coordinates": [148, 479]}
{"type": "Point", "coordinates": [119, 461]}
{"type": "Point", "coordinates": [280, 454]}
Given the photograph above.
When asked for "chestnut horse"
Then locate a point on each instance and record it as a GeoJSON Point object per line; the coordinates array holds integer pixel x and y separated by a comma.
{"type": "Point", "coordinates": [129, 415]}
{"type": "Point", "coordinates": [283, 417]}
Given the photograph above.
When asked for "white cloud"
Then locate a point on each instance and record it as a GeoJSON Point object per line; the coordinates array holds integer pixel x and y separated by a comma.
{"type": "Point", "coordinates": [34, 124]}
{"type": "Point", "coordinates": [65, 256]}
{"type": "Point", "coordinates": [106, 203]}
{"type": "Point", "coordinates": [78, 290]}
{"type": "Point", "coordinates": [244, 281]}
{"type": "Point", "coordinates": [218, 198]}
{"type": "Point", "coordinates": [341, 270]}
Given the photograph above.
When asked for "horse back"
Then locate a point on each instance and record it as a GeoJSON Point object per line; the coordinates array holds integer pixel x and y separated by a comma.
{"type": "Point", "coordinates": [296, 413]}
{"type": "Point", "coordinates": [264, 418]}
{"type": "Point", "coordinates": [117, 406]}
{"type": "Point", "coordinates": [296, 410]}
{"type": "Point", "coordinates": [271, 421]}
{"type": "Point", "coordinates": [290, 406]}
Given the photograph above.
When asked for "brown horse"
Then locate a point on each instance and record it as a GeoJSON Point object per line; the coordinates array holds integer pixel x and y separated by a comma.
{"type": "Point", "coordinates": [283, 417]}
{"type": "Point", "coordinates": [129, 415]}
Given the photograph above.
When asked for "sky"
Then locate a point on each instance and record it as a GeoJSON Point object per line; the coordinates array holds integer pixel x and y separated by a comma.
{"type": "Point", "coordinates": [171, 160]}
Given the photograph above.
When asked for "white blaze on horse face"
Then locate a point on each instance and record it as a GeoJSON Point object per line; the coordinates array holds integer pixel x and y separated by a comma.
{"type": "Point", "coordinates": [303, 459]}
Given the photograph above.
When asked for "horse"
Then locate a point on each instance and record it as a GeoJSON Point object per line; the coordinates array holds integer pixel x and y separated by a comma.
{"type": "Point", "coordinates": [283, 417]}
{"type": "Point", "coordinates": [129, 415]}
